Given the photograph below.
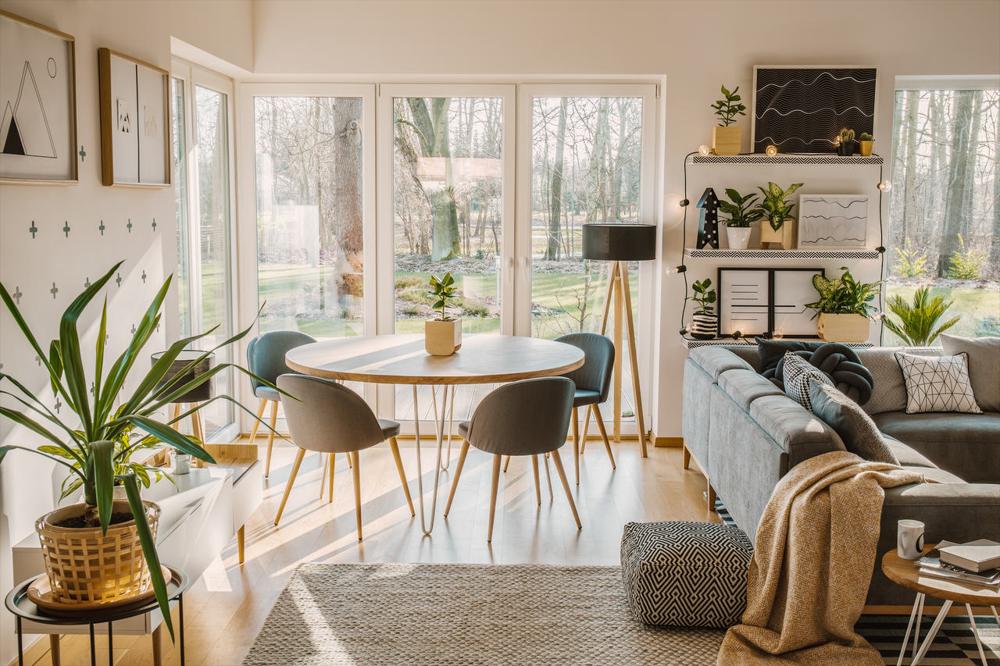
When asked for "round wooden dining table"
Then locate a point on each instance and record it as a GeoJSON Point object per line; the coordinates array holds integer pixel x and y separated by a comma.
{"type": "Point", "coordinates": [401, 359]}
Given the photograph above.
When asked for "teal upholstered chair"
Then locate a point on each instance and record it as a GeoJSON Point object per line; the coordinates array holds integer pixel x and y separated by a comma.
{"type": "Point", "coordinates": [525, 418]}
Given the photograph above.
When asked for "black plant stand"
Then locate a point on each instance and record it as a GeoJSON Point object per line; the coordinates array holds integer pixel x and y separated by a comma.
{"type": "Point", "coordinates": [23, 608]}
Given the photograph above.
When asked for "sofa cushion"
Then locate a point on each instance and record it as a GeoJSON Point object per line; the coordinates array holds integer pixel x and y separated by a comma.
{"type": "Point", "coordinates": [716, 360]}
{"type": "Point", "coordinates": [935, 474]}
{"type": "Point", "coordinates": [856, 429]}
{"type": "Point", "coordinates": [906, 455]}
{"type": "Point", "coordinates": [966, 444]}
{"type": "Point", "coordinates": [889, 394]}
{"type": "Point", "coordinates": [798, 374]}
{"type": "Point", "coordinates": [796, 431]}
{"type": "Point", "coordinates": [745, 386]}
{"type": "Point", "coordinates": [937, 384]}
{"type": "Point", "coordinates": [984, 366]}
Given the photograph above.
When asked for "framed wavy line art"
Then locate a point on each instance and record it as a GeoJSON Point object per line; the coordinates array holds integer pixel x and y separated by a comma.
{"type": "Point", "coordinates": [800, 109]}
{"type": "Point", "coordinates": [833, 221]}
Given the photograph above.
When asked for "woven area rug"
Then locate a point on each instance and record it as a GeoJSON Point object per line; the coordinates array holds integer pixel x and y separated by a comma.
{"type": "Point", "coordinates": [380, 614]}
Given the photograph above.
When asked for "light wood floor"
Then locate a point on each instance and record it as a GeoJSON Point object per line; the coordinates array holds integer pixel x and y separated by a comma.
{"type": "Point", "coordinates": [227, 607]}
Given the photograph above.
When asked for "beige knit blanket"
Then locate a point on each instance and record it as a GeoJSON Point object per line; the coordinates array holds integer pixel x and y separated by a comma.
{"type": "Point", "coordinates": [812, 563]}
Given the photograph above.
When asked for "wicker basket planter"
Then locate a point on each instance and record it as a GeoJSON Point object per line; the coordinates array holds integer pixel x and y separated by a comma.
{"type": "Point", "coordinates": [87, 567]}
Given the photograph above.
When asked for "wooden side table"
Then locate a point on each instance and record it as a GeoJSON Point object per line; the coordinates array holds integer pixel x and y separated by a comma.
{"type": "Point", "coordinates": [907, 574]}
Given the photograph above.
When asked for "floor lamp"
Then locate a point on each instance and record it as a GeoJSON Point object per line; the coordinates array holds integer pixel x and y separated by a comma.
{"type": "Point", "coordinates": [620, 243]}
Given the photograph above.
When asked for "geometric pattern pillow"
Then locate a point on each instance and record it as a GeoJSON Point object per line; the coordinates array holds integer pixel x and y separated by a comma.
{"type": "Point", "coordinates": [797, 372]}
{"type": "Point", "coordinates": [937, 383]}
{"type": "Point", "coordinates": [685, 574]}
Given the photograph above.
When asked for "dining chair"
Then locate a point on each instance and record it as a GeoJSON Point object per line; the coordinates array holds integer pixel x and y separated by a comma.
{"type": "Point", "coordinates": [525, 418]}
{"type": "Point", "coordinates": [330, 418]}
{"type": "Point", "coordinates": [593, 383]}
{"type": "Point", "coordinates": [266, 359]}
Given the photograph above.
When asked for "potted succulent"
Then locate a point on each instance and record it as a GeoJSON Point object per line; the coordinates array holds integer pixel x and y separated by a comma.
{"type": "Point", "coordinates": [743, 212]}
{"type": "Point", "coordinates": [846, 145]}
{"type": "Point", "coordinates": [704, 322]}
{"type": "Point", "coordinates": [443, 333]}
{"type": "Point", "coordinates": [727, 135]}
{"type": "Point", "coordinates": [777, 209]}
{"type": "Point", "coordinates": [103, 549]}
{"type": "Point", "coordinates": [866, 144]}
{"type": "Point", "coordinates": [844, 307]}
{"type": "Point", "coordinates": [918, 318]}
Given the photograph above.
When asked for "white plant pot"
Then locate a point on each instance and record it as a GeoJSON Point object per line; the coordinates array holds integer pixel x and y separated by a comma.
{"type": "Point", "coordinates": [843, 327]}
{"type": "Point", "coordinates": [738, 237]}
{"type": "Point", "coordinates": [442, 337]}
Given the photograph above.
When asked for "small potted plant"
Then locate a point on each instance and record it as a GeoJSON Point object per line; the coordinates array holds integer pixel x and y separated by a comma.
{"type": "Point", "coordinates": [743, 211]}
{"type": "Point", "coordinates": [443, 333]}
{"type": "Point", "coordinates": [844, 307]}
{"type": "Point", "coordinates": [704, 322]}
{"type": "Point", "coordinates": [777, 209]}
{"type": "Point", "coordinates": [846, 145]}
{"type": "Point", "coordinates": [866, 144]}
{"type": "Point", "coordinates": [727, 135]}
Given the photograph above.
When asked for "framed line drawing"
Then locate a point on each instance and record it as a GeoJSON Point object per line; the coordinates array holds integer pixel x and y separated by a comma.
{"type": "Point", "coordinates": [833, 220]}
{"type": "Point", "coordinates": [37, 103]}
{"type": "Point", "coordinates": [758, 301]}
{"type": "Point", "coordinates": [791, 289]}
{"type": "Point", "coordinates": [801, 108]}
{"type": "Point", "coordinates": [135, 121]}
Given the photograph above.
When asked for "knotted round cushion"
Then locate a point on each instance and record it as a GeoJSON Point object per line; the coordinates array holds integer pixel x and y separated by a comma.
{"type": "Point", "coordinates": [841, 364]}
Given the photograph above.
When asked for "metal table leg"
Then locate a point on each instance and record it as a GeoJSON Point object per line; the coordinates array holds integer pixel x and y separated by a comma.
{"type": "Point", "coordinates": [111, 646]}
{"type": "Point", "coordinates": [20, 642]}
{"type": "Point", "coordinates": [93, 650]}
{"type": "Point", "coordinates": [439, 418]}
{"type": "Point", "coordinates": [975, 632]}
{"type": "Point", "coordinates": [929, 638]}
{"type": "Point", "coordinates": [180, 606]}
{"type": "Point", "coordinates": [906, 637]}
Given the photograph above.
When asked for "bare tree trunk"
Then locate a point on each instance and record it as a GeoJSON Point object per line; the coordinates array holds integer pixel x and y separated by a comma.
{"type": "Point", "coordinates": [553, 246]}
{"type": "Point", "coordinates": [958, 204]}
{"type": "Point", "coordinates": [912, 108]}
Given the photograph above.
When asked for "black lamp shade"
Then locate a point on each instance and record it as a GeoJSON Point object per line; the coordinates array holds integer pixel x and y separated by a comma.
{"type": "Point", "coordinates": [619, 242]}
{"type": "Point", "coordinates": [198, 394]}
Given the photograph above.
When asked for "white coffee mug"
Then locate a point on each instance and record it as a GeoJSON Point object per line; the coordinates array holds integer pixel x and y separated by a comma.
{"type": "Point", "coordinates": [910, 539]}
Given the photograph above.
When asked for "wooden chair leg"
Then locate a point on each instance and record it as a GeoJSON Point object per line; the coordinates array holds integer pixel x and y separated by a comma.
{"type": "Point", "coordinates": [54, 649]}
{"type": "Point", "coordinates": [256, 422]}
{"type": "Point", "coordinates": [686, 457]}
{"type": "Point", "coordinates": [288, 487]}
{"type": "Point", "coordinates": [394, 447]}
{"type": "Point", "coordinates": [576, 443]}
{"type": "Point", "coordinates": [493, 496]}
{"type": "Point", "coordinates": [507, 464]}
{"type": "Point", "coordinates": [710, 495]}
{"type": "Point", "coordinates": [538, 485]}
{"type": "Point", "coordinates": [604, 433]}
{"type": "Point", "coordinates": [565, 484]}
{"type": "Point", "coordinates": [324, 465]}
{"type": "Point", "coordinates": [157, 645]}
{"type": "Point", "coordinates": [270, 438]}
{"type": "Point", "coordinates": [241, 542]}
{"type": "Point", "coordinates": [357, 489]}
{"type": "Point", "coordinates": [333, 468]}
{"type": "Point", "coordinates": [175, 411]}
{"type": "Point", "coordinates": [196, 425]}
{"type": "Point", "coordinates": [458, 473]}
{"type": "Point", "coordinates": [586, 431]}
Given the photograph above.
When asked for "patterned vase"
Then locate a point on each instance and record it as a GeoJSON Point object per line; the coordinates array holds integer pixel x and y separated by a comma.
{"type": "Point", "coordinates": [704, 326]}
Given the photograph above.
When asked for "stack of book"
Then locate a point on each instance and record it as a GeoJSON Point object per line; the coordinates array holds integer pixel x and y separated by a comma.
{"type": "Point", "coordinates": [976, 562]}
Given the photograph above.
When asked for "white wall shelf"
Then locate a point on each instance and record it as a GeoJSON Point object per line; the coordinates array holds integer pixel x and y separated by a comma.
{"type": "Point", "coordinates": [726, 253]}
{"type": "Point", "coordinates": [791, 159]}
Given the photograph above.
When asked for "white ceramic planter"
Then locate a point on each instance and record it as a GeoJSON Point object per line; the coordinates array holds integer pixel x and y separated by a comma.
{"type": "Point", "coordinates": [843, 327]}
{"type": "Point", "coordinates": [442, 337]}
{"type": "Point", "coordinates": [738, 237]}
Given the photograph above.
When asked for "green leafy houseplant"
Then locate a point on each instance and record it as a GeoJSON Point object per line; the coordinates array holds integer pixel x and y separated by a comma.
{"type": "Point", "coordinates": [705, 296]}
{"type": "Point", "coordinates": [775, 205]}
{"type": "Point", "coordinates": [844, 295]}
{"type": "Point", "coordinates": [443, 290]}
{"type": "Point", "coordinates": [729, 107]}
{"type": "Point", "coordinates": [742, 210]}
{"type": "Point", "coordinates": [443, 334]}
{"type": "Point", "coordinates": [918, 319]}
{"type": "Point", "coordinates": [97, 451]}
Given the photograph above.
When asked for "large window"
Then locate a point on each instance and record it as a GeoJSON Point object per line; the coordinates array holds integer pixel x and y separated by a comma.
{"type": "Point", "coordinates": [945, 202]}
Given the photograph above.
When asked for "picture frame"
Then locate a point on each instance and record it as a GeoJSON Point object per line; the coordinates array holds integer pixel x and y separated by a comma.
{"type": "Point", "coordinates": [766, 301]}
{"type": "Point", "coordinates": [800, 119]}
{"type": "Point", "coordinates": [135, 121]}
{"type": "Point", "coordinates": [38, 123]}
{"type": "Point", "coordinates": [833, 221]}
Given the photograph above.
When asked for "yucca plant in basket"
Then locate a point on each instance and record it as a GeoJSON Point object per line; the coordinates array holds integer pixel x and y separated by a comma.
{"type": "Point", "coordinates": [96, 446]}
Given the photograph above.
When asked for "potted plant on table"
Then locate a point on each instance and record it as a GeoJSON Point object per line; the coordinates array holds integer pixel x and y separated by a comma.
{"type": "Point", "coordinates": [103, 549]}
{"type": "Point", "coordinates": [844, 307]}
{"type": "Point", "coordinates": [776, 207]}
{"type": "Point", "coordinates": [743, 211]}
{"type": "Point", "coordinates": [846, 145]}
{"type": "Point", "coordinates": [704, 322]}
{"type": "Point", "coordinates": [727, 135]}
{"type": "Point", "coordinates": [918, 318]}
{"type": "Point", "coordinates": [866, 144]}
{"type": "Point", "coordinates": [442, 334]}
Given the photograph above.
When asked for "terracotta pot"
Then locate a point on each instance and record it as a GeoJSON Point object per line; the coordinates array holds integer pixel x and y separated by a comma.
{"type": "Point", "coordinates": [442, 337]}
{"type": "Point", "coordinates": [783, 238]}
{"type": "Point", "coordinates": [866, 148]}
{"type": "Point", "coordinates": [843, 327]}
{"type": "Point", "coordinates": [85, 566]}
{"type": "Point", "coordinates": [727, 140]}
{"type": "Point", "coordinates": [738, 237]}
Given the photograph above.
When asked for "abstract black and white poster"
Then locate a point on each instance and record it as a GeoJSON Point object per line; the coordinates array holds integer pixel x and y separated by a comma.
{"type": "Point", "coordinates": [833, 220]}
{"type": "Point", "coordinates": [37, 102]}
{"type": "Point", "coordinates": [744, 301]}
{"type": "Point", "coordinates": [791, 289]}
{"type": "Point", "coordinates": [802, 109]}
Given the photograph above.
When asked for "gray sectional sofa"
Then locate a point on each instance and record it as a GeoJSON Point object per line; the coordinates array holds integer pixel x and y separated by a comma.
{"type": "Point", "coordinates": [744, 434]}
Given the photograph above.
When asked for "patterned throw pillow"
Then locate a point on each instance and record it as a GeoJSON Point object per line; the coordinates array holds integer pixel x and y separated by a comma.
{"type": "Point", "coordinates": [797, 372]}
{"type": "Point", "coordinates": [857, 430]}
{"type": "Point", "coordinates": [937, 383]}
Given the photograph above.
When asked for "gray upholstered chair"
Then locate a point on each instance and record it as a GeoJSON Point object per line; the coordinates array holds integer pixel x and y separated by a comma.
{"type": "Point", "coordinates": [266, 359]}
{"type": "Point", "coordinates": [330, 418]}
{"type": "Point", "coordinates": [526, 418]}
{"type": "Point", "coordinates": [593, 382]}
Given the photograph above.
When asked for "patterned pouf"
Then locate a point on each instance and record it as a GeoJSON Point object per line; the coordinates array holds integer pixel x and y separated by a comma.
{"type": "Point", "coordinates": [685, 574]}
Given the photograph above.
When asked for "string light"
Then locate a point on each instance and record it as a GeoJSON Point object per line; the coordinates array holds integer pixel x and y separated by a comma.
{"type": "Point", "coordinates": [778, 335]}
{"type": "Point", "coordinates": [673, 270]}
{"type": "Point", "coordinates": [704, 150]}
{"type": "Point", "coordinates": [737, 334]}
{"type": "Point", "coordinates": [684, 203]}
{"type": "Point", "coordinates": [771, 150]}
{"type": "Point", "coordinates": [885, 185]}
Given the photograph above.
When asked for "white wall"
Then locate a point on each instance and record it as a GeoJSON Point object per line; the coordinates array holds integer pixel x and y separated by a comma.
{"type": "Point", "coordinates": [33, 264]}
